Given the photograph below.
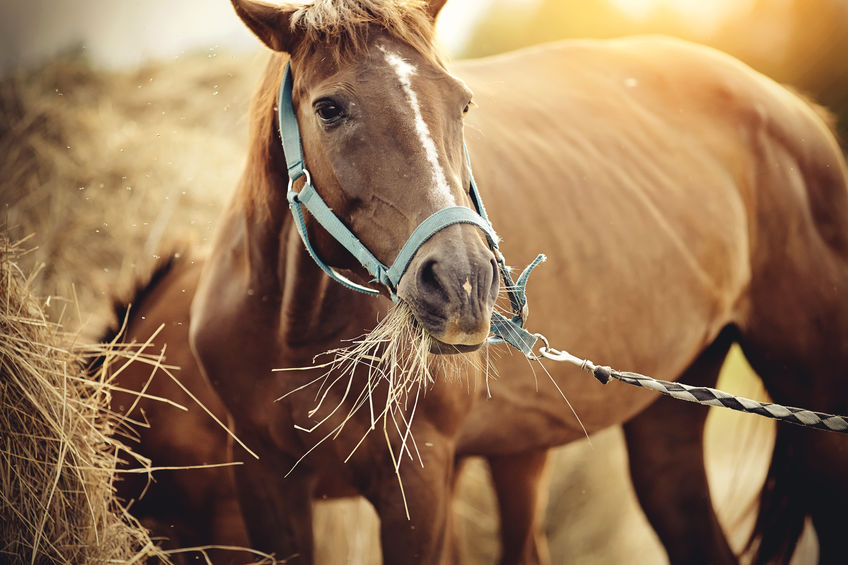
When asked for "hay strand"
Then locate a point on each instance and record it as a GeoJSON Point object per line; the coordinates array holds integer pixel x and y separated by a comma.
{"type": "Point", "coordinates": [57, 450]}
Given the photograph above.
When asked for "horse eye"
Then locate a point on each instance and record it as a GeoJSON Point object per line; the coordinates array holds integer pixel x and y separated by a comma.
{"type": "Point", "coordinates": [328, 111]}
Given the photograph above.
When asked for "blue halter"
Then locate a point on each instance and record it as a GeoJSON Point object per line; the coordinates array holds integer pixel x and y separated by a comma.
{"type": "Point", "coordinates": [509, 330]}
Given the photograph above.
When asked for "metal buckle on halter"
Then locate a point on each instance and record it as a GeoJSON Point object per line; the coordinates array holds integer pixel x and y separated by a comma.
{"type": "Point", "coordinates": [290, 191]}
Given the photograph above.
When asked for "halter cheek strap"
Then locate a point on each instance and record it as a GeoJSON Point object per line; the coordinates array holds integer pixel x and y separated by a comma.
{"type": "Point", "coordinates": [503, 329]}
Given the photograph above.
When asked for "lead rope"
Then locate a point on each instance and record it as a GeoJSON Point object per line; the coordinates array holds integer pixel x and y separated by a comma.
{"type": "Point", "coordinates": [699, 394]}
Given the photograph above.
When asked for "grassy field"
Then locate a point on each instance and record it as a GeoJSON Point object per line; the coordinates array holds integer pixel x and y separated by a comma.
{"type": "Point", "coordinates": [108, 169]}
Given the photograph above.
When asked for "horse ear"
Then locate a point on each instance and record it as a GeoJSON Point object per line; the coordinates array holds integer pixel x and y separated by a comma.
{"type": "Point", "coordinates": [434, 6]}
{"type": "Point", "coordinates": [271, 24]}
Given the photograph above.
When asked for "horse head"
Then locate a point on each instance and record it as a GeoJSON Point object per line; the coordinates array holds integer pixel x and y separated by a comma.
{"type": "Point", "coordinates": [381, 125]}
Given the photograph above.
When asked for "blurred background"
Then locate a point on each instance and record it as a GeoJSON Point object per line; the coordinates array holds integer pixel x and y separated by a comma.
{"type": "Point", "coordinates": [803, 43]}
{"type": "Point", "coordinates": [800, 42]}
{"type": "Point", "coordinates": [123, 132]}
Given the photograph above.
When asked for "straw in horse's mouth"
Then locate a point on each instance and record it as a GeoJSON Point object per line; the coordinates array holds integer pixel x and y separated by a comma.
{"type": "Point", "coordinates": [397, 355]}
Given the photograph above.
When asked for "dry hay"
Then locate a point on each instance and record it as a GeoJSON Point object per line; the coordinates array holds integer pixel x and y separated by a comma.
{"type": "Point", "coordinates": [57, 450]}
{"type": "Point", "coordinates": [99, 170]}
{"type": "Point", "coordinates": [394, 355]}
{"type": "Point", "coordinates": [106, 168]}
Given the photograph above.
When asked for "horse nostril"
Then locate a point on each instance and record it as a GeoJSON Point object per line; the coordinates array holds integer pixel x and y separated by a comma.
{"type": "Point", "coordinates": [496, 279]}
{"type": "Point", "coordinates": [429, 280]}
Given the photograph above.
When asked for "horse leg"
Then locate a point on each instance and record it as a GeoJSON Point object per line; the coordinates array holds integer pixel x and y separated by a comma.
{"type": "Point", "coordinates": [806, 477]}
{"type": "Point", "coordinates": [665, 448]}
{"type": "Point", "coordinates": [827, 467]}
{"type": "Point", "coordinates": [427, 493]}
{"type": "Point", "coordinates": [276, 510]}
{"type": "Point", "coordinates": [808, 467]}
{"type": "Point", "coordinates": [516, 481]}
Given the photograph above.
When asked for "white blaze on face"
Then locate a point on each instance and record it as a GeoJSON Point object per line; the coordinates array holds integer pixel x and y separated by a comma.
{"type": "Point", "coordinates": [404, 70]}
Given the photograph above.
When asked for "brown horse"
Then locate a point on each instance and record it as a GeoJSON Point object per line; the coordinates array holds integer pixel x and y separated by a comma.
{"type": "Point", "coordinates": [192, 507]}
{"type": "Point", "coordinates": [685, 202]}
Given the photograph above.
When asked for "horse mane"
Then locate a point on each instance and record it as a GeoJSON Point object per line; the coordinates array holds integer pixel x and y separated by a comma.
{"type": "Point", "coordinates": [265, 167]}
{"type": "Point", "coordinates": [343, 25]}
{"type": "Point", "coordinates": [346, 23]}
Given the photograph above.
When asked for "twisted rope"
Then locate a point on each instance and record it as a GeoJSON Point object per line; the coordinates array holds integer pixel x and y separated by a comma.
{"type": "Point", "coordinates": [705, 395]}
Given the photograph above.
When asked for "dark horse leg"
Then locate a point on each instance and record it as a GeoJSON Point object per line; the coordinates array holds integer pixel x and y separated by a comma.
{"type": "Point", "coordinates": [807, 476]}
{"type": "Point", "coordinates": [665, 447]}
{"type": "Point", "coordinates": [278, 511]}
{"type": "Point", "coordinates": [796, 339]}
{"type": "Point", "coordinates": [826, 465]}
{"type": "Point", "coordinates": [516, 481]}
{"type": "Point", "coordinates": [424, 536]}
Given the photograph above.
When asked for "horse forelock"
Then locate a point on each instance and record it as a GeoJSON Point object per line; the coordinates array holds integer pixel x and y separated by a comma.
{"type": "Point", "coordinates": [344, 25]}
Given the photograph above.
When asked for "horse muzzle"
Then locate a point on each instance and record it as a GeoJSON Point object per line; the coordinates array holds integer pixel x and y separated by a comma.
{"type": "Point", "coordinates": [451, 286]}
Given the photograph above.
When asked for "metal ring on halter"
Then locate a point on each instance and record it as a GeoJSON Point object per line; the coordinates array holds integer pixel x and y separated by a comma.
{"type": "Point", "coordinates": [305, 173]}
{"type": "Point", "coordinates": [538, 356]}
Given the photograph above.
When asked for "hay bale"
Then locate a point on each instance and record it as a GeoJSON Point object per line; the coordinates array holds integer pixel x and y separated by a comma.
{"type": "Point", "coordinates": [106, 168]}
{"type": "Point", "coordinates": [57, 446]}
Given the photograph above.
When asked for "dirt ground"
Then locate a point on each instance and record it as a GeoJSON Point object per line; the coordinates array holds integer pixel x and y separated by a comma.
{"type": "Point", "coordinates": [107, 169]}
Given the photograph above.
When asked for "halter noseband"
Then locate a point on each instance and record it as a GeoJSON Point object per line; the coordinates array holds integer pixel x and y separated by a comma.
{"type": "Point", "coordinates": [509, 330]}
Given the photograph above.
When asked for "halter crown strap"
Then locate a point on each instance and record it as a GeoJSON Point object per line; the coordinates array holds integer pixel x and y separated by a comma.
{"type": "Point", "coordinates": [289, 130]}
